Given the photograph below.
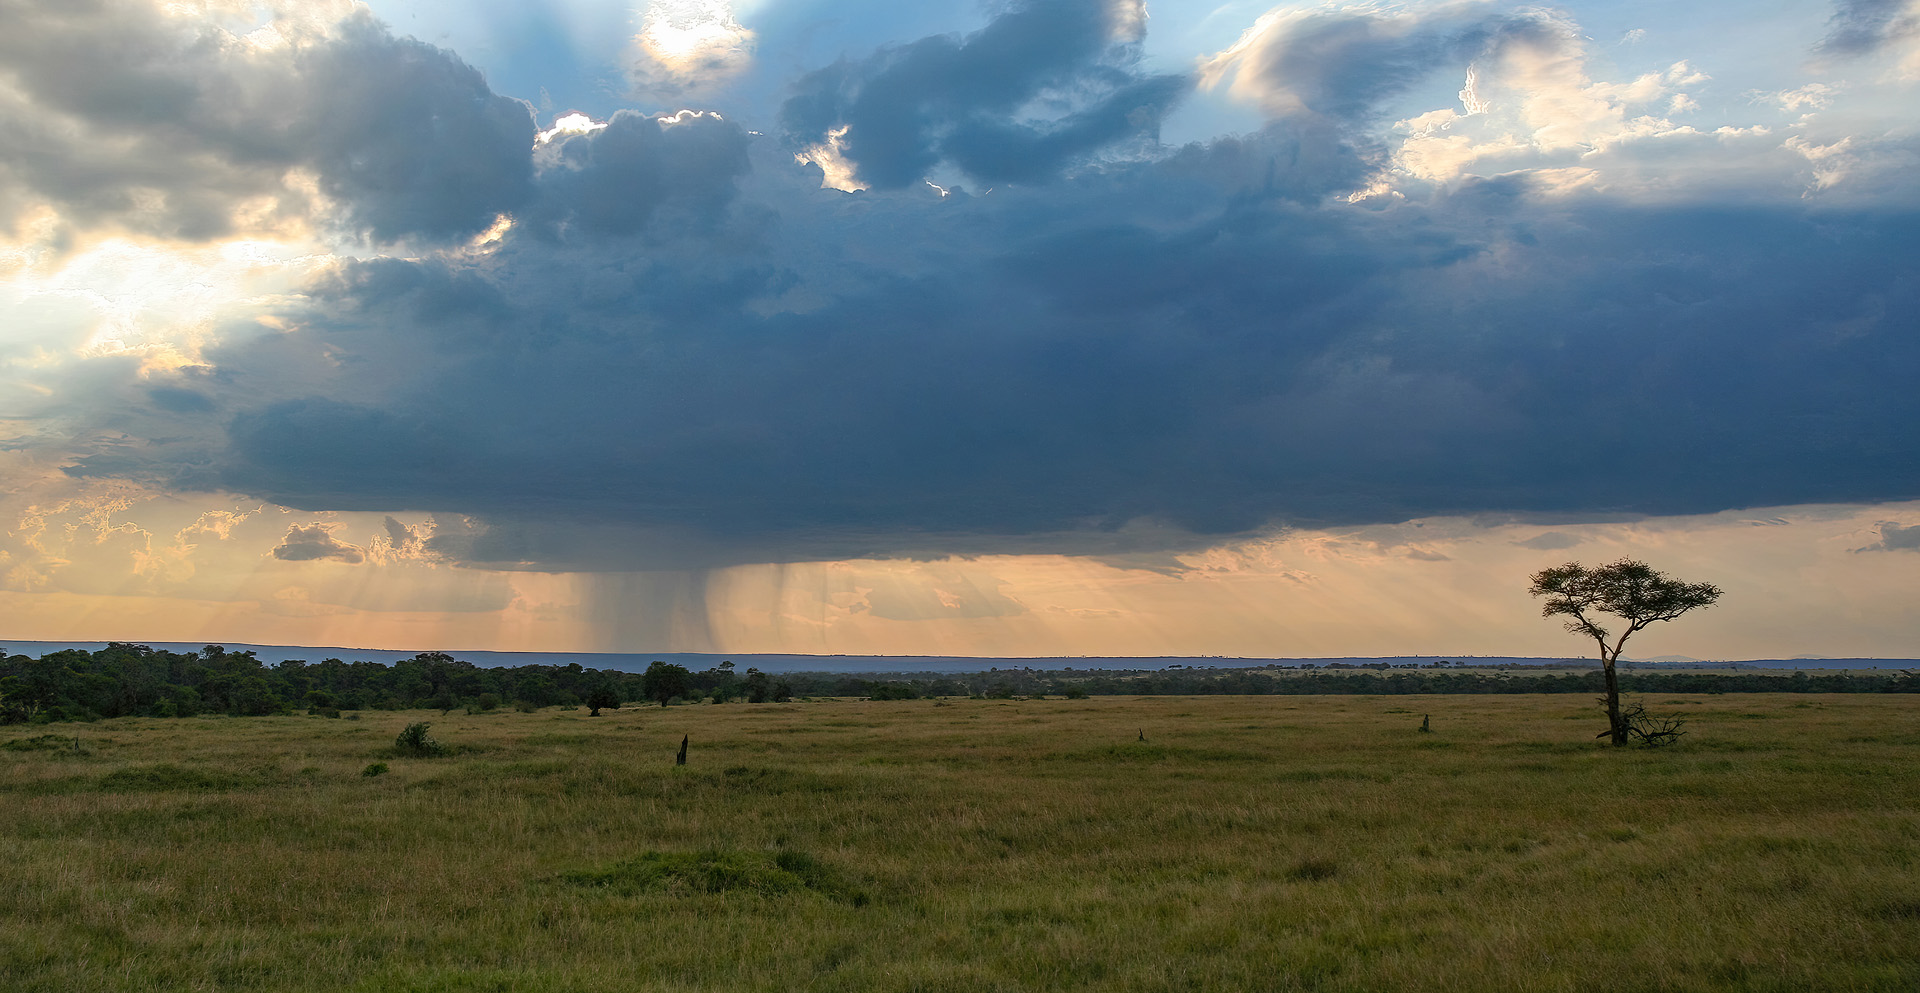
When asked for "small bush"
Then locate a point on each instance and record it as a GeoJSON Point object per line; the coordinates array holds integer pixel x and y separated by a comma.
{"type": "Point", "coordinates": [489, 701]}
{"type": "Point", "coordinates": [416, 742]}
{"type": "Point", "coordinates": [525, 706]}
{"type": "Point", "coordinates": [375, 769]}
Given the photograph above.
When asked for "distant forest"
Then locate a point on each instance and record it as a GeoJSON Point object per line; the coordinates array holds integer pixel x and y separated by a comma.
{"type": "Point", "coordinates": [124, 680]}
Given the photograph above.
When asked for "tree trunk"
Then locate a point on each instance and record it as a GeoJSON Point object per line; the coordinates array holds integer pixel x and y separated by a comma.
{"type": "Point", "coordinates": [1613, 705]}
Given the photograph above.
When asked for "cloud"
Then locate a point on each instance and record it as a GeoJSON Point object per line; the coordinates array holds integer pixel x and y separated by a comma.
{"type": "Point", "coordinates": [1045, 84]}
{"type": "Point", "coordinates": [306, 543]}
{"type": "Point", "coordinates": [410, 138]}
{"type": "Point", "coordinates": [1551, 541]}
{"type": "Point", "coordinates": [1864, 29]}
{"type": "Point", "coordinates": [684, 354]}
{"type": "Point", "coordinates": [686, 46]}
{"type": "Point", "coordinates": [189, 131]}
{"type": "Point", "coordinates": [1334, 75]}
{"type": "Point", "coordinates": [1896, 537]}
{"type": "Point", "coordinates": [612, 180]}
{"type": "Point", "coordinates": [1862, 26]}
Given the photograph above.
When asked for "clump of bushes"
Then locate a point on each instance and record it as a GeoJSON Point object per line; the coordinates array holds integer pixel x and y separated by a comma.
{"type": "Point", "coordinates": [376, 769]}
{"type": "Point", "coordinates": [416, 742]}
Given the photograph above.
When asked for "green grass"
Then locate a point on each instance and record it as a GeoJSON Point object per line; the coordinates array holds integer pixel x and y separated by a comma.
{"type": "Point", "coordinates": [1267, 843]}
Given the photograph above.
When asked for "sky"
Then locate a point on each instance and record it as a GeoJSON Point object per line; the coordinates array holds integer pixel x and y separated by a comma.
{"type": "Point", "coordinates": [1030, 328]}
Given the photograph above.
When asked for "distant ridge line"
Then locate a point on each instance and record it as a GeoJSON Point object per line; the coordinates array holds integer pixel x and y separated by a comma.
{"type": "Point", "coordinates": [784, 662]}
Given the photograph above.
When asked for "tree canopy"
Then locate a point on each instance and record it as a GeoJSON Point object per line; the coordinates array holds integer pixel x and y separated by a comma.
{"type": "Point", "coordinates": [1631, 590]}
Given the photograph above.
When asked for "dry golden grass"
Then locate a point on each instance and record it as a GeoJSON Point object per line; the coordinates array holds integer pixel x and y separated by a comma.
{"type": "Point", "coordinates": [1250, 843]}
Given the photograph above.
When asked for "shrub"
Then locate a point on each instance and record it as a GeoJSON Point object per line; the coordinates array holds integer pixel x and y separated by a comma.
{"type": "Point", "coordinates": [415, 741]}
{"type": "Point", "coordinates": [489, 701]}
{"type": "Point", "coordinates": [376, 769]}
{"type": "Point", "coordinates": [525, 706]}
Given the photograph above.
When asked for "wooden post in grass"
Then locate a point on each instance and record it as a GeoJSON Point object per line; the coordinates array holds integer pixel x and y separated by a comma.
{"type": "Point", "coordinates": [681, 759]}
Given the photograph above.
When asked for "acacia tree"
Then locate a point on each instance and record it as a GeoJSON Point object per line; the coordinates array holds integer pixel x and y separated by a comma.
{"type": "Point", "coordinates": [1634, 592]}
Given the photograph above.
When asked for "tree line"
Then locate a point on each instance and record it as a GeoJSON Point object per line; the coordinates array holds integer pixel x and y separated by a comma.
{"type": "Point", "coordinates": [126, 680]}
{"type": "Point", "coordinates": [123, 680]}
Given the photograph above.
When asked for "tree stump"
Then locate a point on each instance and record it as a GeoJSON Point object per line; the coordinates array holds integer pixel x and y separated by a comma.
{"type": "Point", "coordinates": [681, 759]}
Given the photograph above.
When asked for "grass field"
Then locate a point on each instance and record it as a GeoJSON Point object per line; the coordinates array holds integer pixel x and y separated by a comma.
{"type": "Point", "coordinates": [1249, 843]}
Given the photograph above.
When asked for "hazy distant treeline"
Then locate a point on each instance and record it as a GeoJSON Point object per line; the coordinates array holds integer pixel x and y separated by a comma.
{"type": "Point", "coordinates": [135, 680]}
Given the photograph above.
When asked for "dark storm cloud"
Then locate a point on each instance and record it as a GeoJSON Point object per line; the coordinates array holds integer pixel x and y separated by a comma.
{"type": "Point", "coordinates": [122, 116]}
{"type": "Point", "coordinates": [1116, 357]}
{"type": "Point", "coordinates": [1862, 26]}
{"type": "Point", "coordinates": [961, 100]}
{"type": "Point", "coordinates": [612, 181]}
{"type": "Point", "coordinates": [315, 541]}
{"type": "Point", "coordinates": [410, 138]}
{"type": "Point", "coordinates": [1260, 364]}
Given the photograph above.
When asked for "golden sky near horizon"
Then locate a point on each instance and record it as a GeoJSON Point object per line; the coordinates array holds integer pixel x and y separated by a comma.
{"type": "Point", "coordinates": [1808, 580]}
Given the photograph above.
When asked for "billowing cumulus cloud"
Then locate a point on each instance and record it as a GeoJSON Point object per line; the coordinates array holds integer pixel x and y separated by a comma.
{"type": "Point", "coordinates": [677, 352]}
{"type": "Point", "coordinates": [305, 543]}
{"type": "Point", "coordinates": [613, 179]}
{"type": "Point", "coordinates": [1047, 83]}
{"type": "Point", "coordinates": [129, 116]}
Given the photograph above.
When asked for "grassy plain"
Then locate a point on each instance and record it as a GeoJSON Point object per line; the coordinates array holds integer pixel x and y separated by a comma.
{"type": "Point", "coordinates": [1249, 843]}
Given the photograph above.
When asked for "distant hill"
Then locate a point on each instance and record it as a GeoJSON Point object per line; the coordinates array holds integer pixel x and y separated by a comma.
{"type": "Point", "coordinates": [638, 661]}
